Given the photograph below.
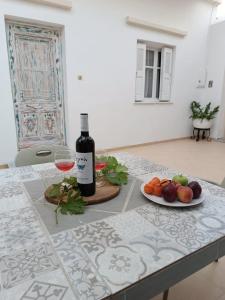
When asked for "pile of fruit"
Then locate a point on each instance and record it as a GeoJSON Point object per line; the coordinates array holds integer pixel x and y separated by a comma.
{"type": "Point", "coordinates": [176, 189]}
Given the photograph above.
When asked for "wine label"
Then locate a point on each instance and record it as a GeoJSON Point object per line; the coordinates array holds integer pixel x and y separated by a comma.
{"type": "Point", "coordinates": [84, 167]}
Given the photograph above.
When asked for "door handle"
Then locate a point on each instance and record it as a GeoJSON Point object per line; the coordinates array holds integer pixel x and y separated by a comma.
{"type": "Point", "coordinates": [43, 153]}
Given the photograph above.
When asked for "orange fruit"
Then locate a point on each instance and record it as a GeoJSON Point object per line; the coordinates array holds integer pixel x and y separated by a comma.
{"type": "Point", "coordinates": [157, 190]}
{"type": "Point", "coordinates": [148, 189]}
{"type": "Point", "coordinates": [155, 180]}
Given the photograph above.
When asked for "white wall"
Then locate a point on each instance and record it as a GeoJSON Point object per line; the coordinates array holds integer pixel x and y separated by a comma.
{"type": "Point", "coordinates": [215, 71]}
{"type": "Point", "coordinates": [219, 12]}
{"type": "Point", "coordinates": [102, 47]}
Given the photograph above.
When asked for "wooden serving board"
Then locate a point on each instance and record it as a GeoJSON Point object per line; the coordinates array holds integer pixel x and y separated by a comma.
{"type": "Point", "coordinates": [104, 193]}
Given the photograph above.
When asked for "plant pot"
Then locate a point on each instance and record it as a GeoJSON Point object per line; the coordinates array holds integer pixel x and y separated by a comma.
{"type": "Point", "coordinates": [202, 123]}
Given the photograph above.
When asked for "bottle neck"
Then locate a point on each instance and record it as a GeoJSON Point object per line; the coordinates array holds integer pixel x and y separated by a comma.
{"type": "Point", "coordinates": [84, 133]}
{"type": "Point", "coordinates": [84, 124]}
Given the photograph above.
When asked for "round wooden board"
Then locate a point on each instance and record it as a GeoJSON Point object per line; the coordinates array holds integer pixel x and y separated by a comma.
{"type": "Point", "coordinates": [104, 193]}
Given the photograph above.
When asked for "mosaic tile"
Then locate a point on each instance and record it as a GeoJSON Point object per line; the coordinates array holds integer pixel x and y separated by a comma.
{"type": "Point", "coordinates": [21, 174]}
{"type": "Point", "coordinates": [11, 190]}
{"type": "Point", "coordinates": [96, 236]}
{"type": "Point", "coordinates": [45, 166]}
{"type": "Point", "coordinates": [129, 225]}
{"type": "Point", "coordinates": [49, 286]}
{"type": "Point", "coordinates": [120, 266]}
{"type": "Point", "coordinates": [12, 196]}
{"type": "Point", "coordinates": [19, 229]}
{"type": "Point", "coordinates": [154, 246]}
{"type": "Point", "coordinates": [116, 261]}
{"type": "Point", "coordinates": [82, 273]}
{"type": "Point", "coordinates": [44, 290]}
{"type": "Point", "coordinates": [138, 166]}
{"type": "Point", "coordinates": [186, 226]}
{"type": "Point", "coordinates": [26, 264]}
{"type": "Point", "coordinates": [157, 249]}
{"type": "Point", "coordinates": [49, 173]}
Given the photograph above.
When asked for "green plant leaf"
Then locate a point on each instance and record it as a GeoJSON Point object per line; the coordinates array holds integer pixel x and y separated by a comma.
{"type": "Point", "coordinates": [121, 168]}
{"type": "Point", "coordinates": [54, 192]}
{"type": "Point", "coordinates": [114, 172]}
{"type": "Point", "coordinates": [74, 205]}
{"type": "Point", "coordinates": [117, 178]}
{"type": "Point", "coordinates": [201, 112]}
{"type": "Point", "coordinates": [72, 181]}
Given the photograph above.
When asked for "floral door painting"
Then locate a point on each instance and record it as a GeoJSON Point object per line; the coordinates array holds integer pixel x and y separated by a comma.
{"type": "Point", "coordinates": [35, 62]}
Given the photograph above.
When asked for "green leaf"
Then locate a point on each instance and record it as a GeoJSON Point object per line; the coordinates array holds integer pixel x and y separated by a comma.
{"type": "Point", "coordinates": [201, 112]}
{"type": "Point", "coordinates": [72, 181]}
{"type": "Point", "coordinates": [121, 168]}
{"type": "Point", "coordinates": [54, 192]}
{"type": "Point", "coordinates": [114, 172]}
{"type": "Point", "coordinates": [74, 202]}
{"type": "Point", "coordinates": [117, 178]}
{"type": "Point", "coordinates": [74, 205]}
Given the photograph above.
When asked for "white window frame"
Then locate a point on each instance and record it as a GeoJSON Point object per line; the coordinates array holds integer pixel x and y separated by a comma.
{"type": "Point", "coordinates": [155, 69]}
{"type": "Point", "coordinates": [166, 72]}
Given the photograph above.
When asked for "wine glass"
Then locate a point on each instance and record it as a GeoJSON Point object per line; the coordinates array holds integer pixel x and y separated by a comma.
{"type": "Point", "coordinates": [100, 164]}
{"type": "Point", "coordinates": [64, 160]}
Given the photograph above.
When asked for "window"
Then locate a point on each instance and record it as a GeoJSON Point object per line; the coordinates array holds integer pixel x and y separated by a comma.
{"type": "Point", "coordinates": [154, 73]}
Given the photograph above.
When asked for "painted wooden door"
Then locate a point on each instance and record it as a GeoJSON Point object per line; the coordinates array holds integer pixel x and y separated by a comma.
{"type": "Point", "coordinates": [35, 62]}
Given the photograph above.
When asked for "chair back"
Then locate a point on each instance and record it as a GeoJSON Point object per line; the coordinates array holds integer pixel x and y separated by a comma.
{"type": "Point", "coordinates": [223, 183]}
{"type": "Point", "coordinates": [37, 155]}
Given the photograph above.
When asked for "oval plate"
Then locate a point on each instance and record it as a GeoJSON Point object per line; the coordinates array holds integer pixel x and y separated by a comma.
{"type": "Point", "coordinates": [161, 201]}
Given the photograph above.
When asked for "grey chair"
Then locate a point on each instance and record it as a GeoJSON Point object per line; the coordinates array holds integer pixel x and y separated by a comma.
{"type": "Point", "coordinates": [37, 155]}
{"type": "Point", "coordinates": [223, 183]}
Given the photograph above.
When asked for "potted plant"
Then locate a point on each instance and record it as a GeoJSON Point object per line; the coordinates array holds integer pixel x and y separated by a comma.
{"type": "Point", "coordinates": [202, 116]}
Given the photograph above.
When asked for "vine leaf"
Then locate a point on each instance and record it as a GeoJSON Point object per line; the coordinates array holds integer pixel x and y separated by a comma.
{"type": "Point", "coordinates": [114, 172]}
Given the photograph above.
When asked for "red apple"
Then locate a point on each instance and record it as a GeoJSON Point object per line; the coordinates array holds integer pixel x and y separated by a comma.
{"type": "Point", "coordinates": [177, 184]}
{"type": "Point", "coordinates": [185, 194]}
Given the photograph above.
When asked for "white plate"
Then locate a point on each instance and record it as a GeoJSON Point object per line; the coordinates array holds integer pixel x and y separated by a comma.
{"type": "Point", "coordinates": [161, 201]}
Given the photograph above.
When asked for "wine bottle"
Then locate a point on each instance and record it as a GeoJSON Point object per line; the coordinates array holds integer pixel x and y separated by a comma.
{"type": "Point", "coordinates": [85, 158]}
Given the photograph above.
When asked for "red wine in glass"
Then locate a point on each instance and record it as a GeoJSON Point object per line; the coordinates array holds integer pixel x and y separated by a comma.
{"type": "Point", "coordinates": [99, 165]}
{"type": "Point", "coordinates": [64, 160]}
{"type": "Point", "coordinates": [65, 165]}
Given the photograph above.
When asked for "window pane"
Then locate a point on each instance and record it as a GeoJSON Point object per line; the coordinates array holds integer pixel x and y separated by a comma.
{"type": "Point", "coordinates": [148, 82]}
{"type": "Point", "coordinates": [158, 83]}
{"type": "Point", "coordinates": [149, 58]}
{"type": "Point", "coordinates": [159, 59]}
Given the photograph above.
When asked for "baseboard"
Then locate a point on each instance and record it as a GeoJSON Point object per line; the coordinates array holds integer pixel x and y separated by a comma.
{"type": "Point", "coordinates": [140, 145]}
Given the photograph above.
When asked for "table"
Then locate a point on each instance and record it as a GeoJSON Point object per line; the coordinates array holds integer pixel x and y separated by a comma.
{"type": "Point", "coordinates": [126, 249]}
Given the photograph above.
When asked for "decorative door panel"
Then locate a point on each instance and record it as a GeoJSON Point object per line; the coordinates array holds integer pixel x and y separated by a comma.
{"type": "Point", "coordinates": [49, 119]}
{"type": "Point", "coordinates": [35, 60]}
{"type": "Point", "coordinates": [30, 124]}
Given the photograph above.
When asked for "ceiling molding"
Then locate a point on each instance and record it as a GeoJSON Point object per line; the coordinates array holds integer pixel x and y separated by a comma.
{"type": "Point", "coordinates": [154, 26]}
{"type": "Point", "coordinates": [64, 4]}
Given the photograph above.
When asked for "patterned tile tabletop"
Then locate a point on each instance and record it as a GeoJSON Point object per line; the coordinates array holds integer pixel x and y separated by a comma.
{"type": "Point", "coordinates": [111, 247]}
